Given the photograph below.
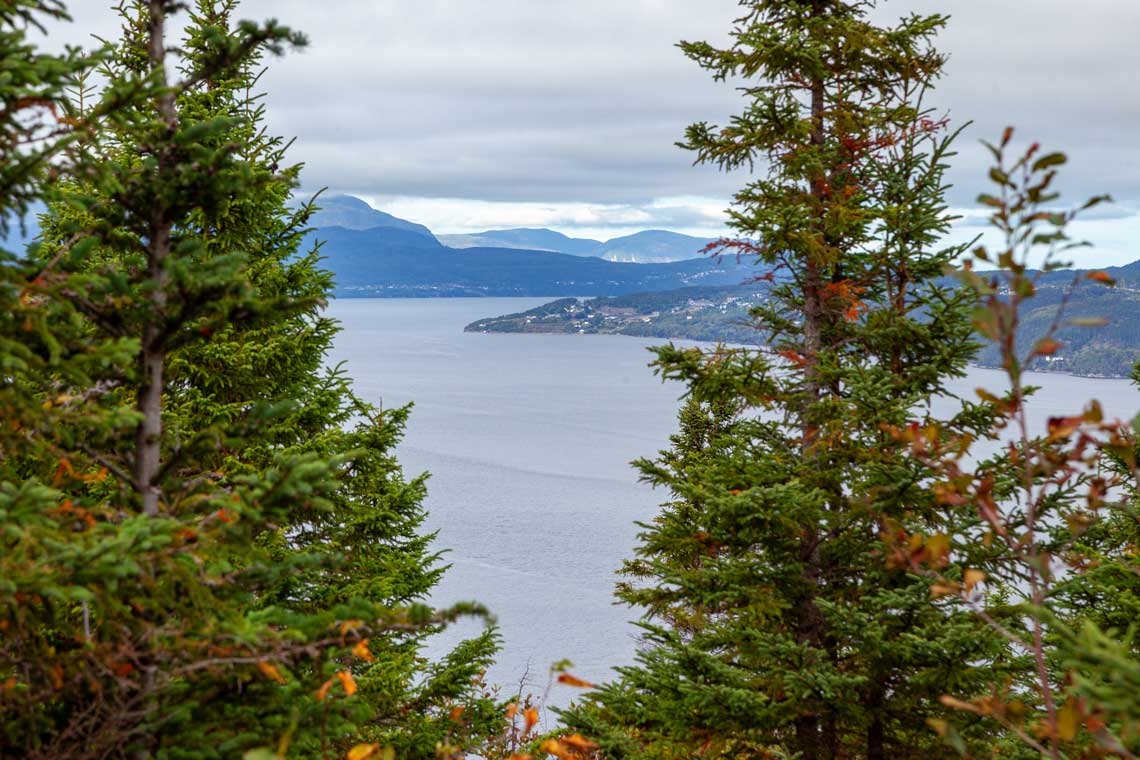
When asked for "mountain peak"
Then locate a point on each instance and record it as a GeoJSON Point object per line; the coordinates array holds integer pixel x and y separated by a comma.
{"type": "Point", "coordinates": [353, 213]}
{"type": "Point", "coordinates": [652, 246]}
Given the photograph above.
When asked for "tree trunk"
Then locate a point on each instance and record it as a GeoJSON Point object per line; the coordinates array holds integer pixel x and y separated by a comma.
{"type": "Point", "coordinates": [815, 738]}
{"type": "Point", "coordinates": [152, 357]}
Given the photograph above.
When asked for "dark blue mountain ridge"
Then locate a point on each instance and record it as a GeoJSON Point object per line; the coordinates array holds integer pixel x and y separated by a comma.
{"type": "Point", "coordinates": [391, 262]}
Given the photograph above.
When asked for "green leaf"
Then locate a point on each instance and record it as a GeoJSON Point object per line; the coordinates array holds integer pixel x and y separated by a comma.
{"type": "Point", "coordinates": [261, 753]}
{"type": "Point", "coordinates": [1000, 177]}
{"type": "Point", "coordinates": [1048, 160]}
{"type": "Point", "coordinates": [985, 321]}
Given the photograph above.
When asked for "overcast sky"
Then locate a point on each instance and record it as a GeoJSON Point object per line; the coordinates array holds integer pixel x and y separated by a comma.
{"type": "Point", "coordinates": [476, 114]}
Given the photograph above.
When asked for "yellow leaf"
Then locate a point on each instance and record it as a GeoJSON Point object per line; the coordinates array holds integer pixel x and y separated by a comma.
{"type": "Point", "coordinates": [957, 704]}
{"type": "Point", "coordinates": [362, 751]}
{"type": "Point", "coordinates": [347, 681]}
{"type": "Point", "coordinates": [570, 680]}
{"type": "Point", "coordinates": [361, 650]}
{"type": "Point", "coordinates": [973, 578]}
{"type": "Point", "coordinates": [270, 670]}
{"type": "Point", "coordinates": [938, 546]}
{"type": "Point", "coordinates": [1068, 720]}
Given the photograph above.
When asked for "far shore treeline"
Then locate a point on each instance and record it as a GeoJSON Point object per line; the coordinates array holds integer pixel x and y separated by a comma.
{"type": "Point", "coordinates": [208, 548]}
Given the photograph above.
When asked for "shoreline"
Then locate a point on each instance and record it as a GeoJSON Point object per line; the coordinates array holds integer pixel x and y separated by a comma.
{"type": "Point", "coordinates": [708, 342]}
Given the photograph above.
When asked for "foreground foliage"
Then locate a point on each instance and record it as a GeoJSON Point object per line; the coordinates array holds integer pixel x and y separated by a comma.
{"type": "Point", "coordinates": [208, 545]}
{"type": "Point", "coordinates": [1057, 507]}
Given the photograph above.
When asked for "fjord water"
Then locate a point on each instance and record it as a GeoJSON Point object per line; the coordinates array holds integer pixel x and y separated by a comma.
{"type": "Point", "coordinates": [528, 439]}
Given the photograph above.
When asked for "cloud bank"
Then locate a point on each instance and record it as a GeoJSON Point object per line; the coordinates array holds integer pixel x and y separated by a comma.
{"type": "Point", "coordinates": [540, 112]}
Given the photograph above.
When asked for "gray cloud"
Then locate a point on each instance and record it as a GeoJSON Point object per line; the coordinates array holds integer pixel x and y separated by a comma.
{"type": "Point", "coordinates": [544, 100]}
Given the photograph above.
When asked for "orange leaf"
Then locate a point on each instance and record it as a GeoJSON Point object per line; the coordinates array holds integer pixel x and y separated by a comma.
{"type": "Point", "coordinates": [556, 748]}
{"type": "Point", "coordinates": [362, 751]}
{"type": "Point", "coordinates": [1099, 276]}
{"type": "Point", "coordinates": [531, 715]}
{"type": "Point", "coordinates": [347, 681]}
{"type": "Point", "coordinates": [512, 710]}
{"type": "Point", "coordinates": [361, 650]}
{"type": "Point", "coordinates": [794, 357]}
{"type": "Point", "coordinates": [271, 672]}
{"type": "Point", "coordinates": [456, 713]}
{"type": "Point", "coordinates": [350, 625]}
{"type": "Point", "coordinates": [1046, 347]}
{"type": "Point", "coordinates": [577, 741]}
{"type": "Point", "coordinates": [324, 690]}
{"type": "Point", "coordinates": [570, 680]}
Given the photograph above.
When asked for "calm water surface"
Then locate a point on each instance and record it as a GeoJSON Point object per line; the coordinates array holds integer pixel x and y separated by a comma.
{"type": "Point", "coordinates": [528, 440]}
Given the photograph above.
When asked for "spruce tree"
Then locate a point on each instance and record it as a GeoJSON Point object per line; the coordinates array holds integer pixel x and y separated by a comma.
{"type": "Point", "coordinates": [807, 635]}
{"type": "Point", "coordinates": [209, 545]}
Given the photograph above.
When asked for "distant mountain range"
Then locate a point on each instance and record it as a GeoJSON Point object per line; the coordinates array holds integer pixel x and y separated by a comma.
{"type": "Point", "coordinates": [647, 247]}
{"type": "Point", "coordinates": [374, 254]}
{"type": "Point", "coordinates": [526, 239]}
{"type": "Point", "coordinates": [390, 262]}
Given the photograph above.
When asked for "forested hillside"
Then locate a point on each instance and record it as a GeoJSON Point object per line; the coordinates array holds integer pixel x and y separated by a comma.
{"type": "Point", "coordinates": [698, 313]}
{"type": "Point", "coordinates": [1098, 330]}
